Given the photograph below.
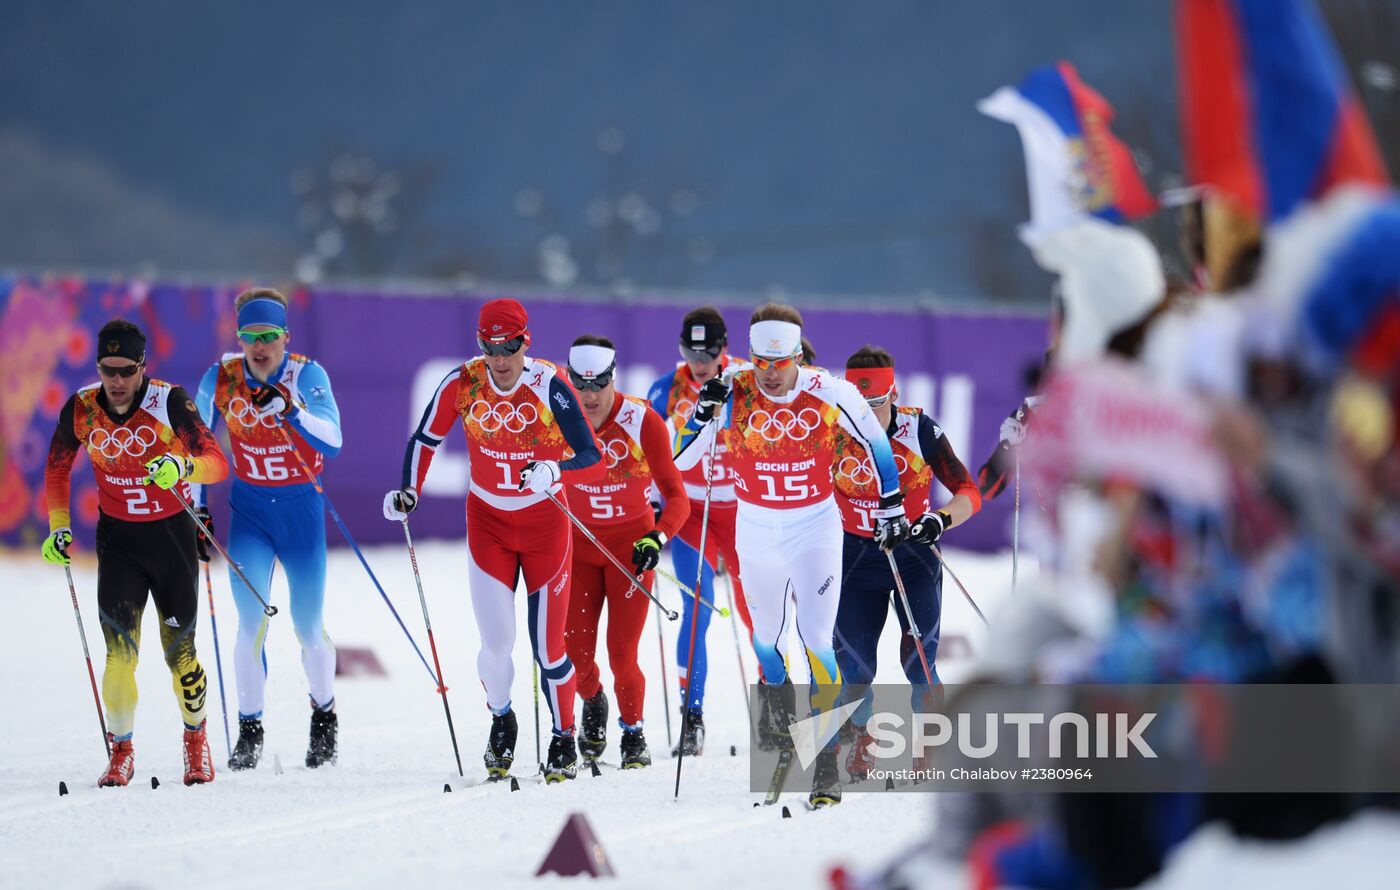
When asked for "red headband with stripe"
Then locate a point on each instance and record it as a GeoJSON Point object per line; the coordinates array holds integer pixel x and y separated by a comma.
{"type": "Point", "coordinates": [872, 382]}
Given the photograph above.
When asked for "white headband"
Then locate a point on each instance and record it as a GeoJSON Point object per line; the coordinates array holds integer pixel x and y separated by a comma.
{"type": "Point", "coordinates": [775, 339]}
{"type": "Point", "coordinates": [589, 361]}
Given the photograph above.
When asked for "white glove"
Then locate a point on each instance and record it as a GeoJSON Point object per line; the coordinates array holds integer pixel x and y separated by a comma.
{"type": "Point", "coordinates": [399, 503]}
{"type": "Point", "coordinates": [1013, 431]}
{"type": "Point", "coordinates": [539, 476]}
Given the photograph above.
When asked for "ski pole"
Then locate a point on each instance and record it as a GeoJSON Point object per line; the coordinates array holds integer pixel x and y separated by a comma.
{"type": "Point", "coordinates": [268, 610]}
{"type": "Point", "coordinates": [218, 660]}
{"type": "Point", "coordinates": [92, 677]}
{"type": "Point", "coordinates": [970, 601]}
{"type": "Point", "coordinates": [724, 613]}
{"type": "Point", "coordinates": [535, 673]}
{"type": "Point", "coordinates": [909, 616]}
{"type": "Point", "coordinates": [665, 682]}
{"type": "Point", "coordinates": [738, 649]}
{"type": "Point", "coordinates": [695, 617]}
{"type": "Point", "coordinates": [635, 581]}
{"type": "Point", "coordinates": [432, 645]}
{"type": "Point", "coordinates": [1016, 525]}
{"type": "Point", "coordinates": [349, 539]}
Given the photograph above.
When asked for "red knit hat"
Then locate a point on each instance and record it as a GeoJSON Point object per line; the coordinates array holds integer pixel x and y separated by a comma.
{"type": "Point", "coordinates": [502, 320]}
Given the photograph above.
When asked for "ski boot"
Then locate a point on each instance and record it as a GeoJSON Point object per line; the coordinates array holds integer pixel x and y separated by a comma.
{"type": "Point", "coordinates": [692, 735]}
{"type": "Point", "coordinates": [500, 746]}
{"type": "Point", "coordinates": [776, 714]}
{"type": "Point", "coordinates": [247, 751]}
{"type": "Point", "coordinates": [634, 749]}
{"type": "Point", "coordinates": [826, 781]}
{"type": "Point", "coordinates": [321, 748]}
{"type": "Point", "coordinates": [594, 737]}
{"type": "Point", "coordinates": [563, 759]}
{"type": "Point", "coordinates": [122, 765]}
{"type": "Point", "coordinates": [199, 763]}
{"type": "Point", "coordinates": [859, 762]}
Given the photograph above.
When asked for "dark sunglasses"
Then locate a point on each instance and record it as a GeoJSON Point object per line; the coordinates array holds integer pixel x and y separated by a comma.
{"type": "Point", "coordinates": [261, 336]}
{"type": "Point", "coordinates": [591, 384]}
{"type": "Point", "coordinates": [123, 371]}
{"type": "Point", "coordinates": [701, 355]}
{"type": "Point", "coordinates": [509, 347]}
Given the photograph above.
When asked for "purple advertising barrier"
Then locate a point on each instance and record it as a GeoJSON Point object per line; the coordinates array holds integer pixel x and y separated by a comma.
{"type": "Point", "coordinates": [385, 354]}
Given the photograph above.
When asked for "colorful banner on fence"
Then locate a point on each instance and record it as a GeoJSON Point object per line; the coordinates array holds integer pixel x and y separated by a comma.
{"type": "Point", "coordinates": [385, 353]}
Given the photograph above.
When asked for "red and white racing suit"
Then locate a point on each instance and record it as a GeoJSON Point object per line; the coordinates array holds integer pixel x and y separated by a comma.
{"type": "Point", "coordinates": [513, 533]}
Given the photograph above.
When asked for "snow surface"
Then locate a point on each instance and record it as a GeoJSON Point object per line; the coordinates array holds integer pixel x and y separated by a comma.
{"type": "Point", "coordinates": [380, 817]}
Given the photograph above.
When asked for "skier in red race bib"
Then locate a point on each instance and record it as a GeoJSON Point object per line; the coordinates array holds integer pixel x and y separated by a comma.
{"type": "Point", "coordinates": [921, 454]}
{"type": "Point", "coordinates": [636, 448]}
{"type": "Point", "coordinates": [146, 443]}
{"type": "Point", "coordinates": [524, 430]}
{"type": "Point", "coordinates": [703, 345]}
{"type": "Point", "coordinates": [780, 421]}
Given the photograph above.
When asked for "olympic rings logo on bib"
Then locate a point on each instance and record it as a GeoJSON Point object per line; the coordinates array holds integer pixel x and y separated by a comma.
{"type": "Point", "coordinates": [132, 442]}
{"type": "Point", "coordinates": [246, 414]}
{"type": "Point", "coordinates": [785, 423]}
{"type": "Point", "coordinates": [615, 451]}
{"type": "Point", "coordinates": [861, 470]}
{"type": "Point", "coordinates": [494, 417]}
{"type": "Point", "coordinates": [684, 408]}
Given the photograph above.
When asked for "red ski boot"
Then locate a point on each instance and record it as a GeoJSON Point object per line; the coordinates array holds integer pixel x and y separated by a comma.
{"type": "Point", "coordinates": [858, 759]}
{"type": "Point", "coordinates": [199, 763]}
{"type": "Point", "coordinates": [121, 767]}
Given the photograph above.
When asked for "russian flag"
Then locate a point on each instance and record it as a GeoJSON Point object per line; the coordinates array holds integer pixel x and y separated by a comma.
{"type": "Point", "coordinates": [1075, 166]}
{"type": "Point", "coordinates": [1268, 115]}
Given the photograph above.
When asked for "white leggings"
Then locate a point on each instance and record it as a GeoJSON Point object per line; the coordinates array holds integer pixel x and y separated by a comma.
{"type": "Point", "coordinates": [797, 548]}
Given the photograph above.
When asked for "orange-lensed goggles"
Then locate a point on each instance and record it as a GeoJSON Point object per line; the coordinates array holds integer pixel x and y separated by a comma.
{"type": "Point", "coordinates": [781, 364]}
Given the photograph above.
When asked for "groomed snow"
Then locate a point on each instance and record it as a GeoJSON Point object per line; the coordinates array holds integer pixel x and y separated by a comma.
{"type": "Point", "coordinates": [380, 817]}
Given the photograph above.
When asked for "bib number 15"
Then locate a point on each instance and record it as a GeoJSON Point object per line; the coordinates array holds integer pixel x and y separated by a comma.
{"type": "Point", "coordinates": [794, 488]}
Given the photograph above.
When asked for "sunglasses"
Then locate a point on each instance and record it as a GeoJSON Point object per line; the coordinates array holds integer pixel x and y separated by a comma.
{"type": "Point", "coordinates": [591, 384]}
{"type": "Point", "coordinates": [267, 336]}
{"type": "Point", "coordinates": [708, 354]}
{"type": "Point", "coordinates": [509, 347]}
{"type": "Point", "coordinates": [877, 401]}
{"type": "Point", "coordinates": [781, 364]}
{"type": "Point", "coordinates": [123, 371]}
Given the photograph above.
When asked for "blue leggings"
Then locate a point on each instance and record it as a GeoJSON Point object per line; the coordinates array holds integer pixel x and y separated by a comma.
{"type": "Point", "coordinates": [867, 595]}
{"type": "Point", "coordinates": [286, 524]}
{"type": "Point", "coordinates": [686, 560]}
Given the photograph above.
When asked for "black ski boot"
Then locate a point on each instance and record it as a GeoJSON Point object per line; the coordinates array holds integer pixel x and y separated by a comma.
{"type": "Point", "coordinates": [594, 737]}
{"type": "Point", "coordinates": [322, 747]}
{"type": "Point", "coordinates": [634, 749]}
{"type": "Point", "coordinates": [692, 735]}
{"type": "Point", "coordinates": [500, 746]}
{"type": "Point", "coordinates": [247, 751]}
{"type": "Point", "coordinates": [826, 780]}
{"type": "Point", "coordinates": [777, 706]}
{"type": "Point", "coordinates": [563, 759]}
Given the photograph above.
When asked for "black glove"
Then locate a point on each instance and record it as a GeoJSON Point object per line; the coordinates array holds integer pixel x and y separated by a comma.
{"type": "Point", "coordinates": [273, 398]}
{"type": "Point", "coordinates": [713, 394]}
{"type": "Point", "coordinates": [891, 527]}
{"type": "Point", "coordinates": [201, 540]}
{"type": "Point", "coordinates": [646, 552]}
{"type": "Point", "coordinates": [930, 527]}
